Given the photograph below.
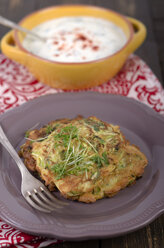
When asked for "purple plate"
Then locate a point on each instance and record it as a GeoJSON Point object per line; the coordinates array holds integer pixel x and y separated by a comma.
{"type": "Point", "coordinates": [132, 208]}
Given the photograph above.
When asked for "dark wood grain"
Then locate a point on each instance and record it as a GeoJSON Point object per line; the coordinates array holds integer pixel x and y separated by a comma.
{"type": "Point", "coordinates": [157, 9]}
{"type": "Point", "coordinates": [151, 13]}
{"type": "Point", "coordinates": [158, 27]}
{"type": "Point", "coordinates": [82, 244]}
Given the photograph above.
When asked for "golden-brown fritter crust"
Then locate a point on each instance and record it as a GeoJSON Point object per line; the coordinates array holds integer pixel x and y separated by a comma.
{"type": "Point", "coordinates": [85, 158]}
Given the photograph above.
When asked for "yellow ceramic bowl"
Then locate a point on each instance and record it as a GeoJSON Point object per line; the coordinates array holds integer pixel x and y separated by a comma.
{"type": "Point", "coordinates": [74, 75]}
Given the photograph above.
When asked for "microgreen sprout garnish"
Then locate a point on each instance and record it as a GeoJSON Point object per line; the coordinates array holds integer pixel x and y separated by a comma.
{"type": "Point", "coordinates": [99, 139]}
{"type": "Point", "coordinates": [64, 135]}
{"type": "Point", "coordinates": [73, 156]}
{"type": "Point", "coordinates": [37, 140]}
{"type": "Point", "coordinates": [96, 125]}
{"type": "Point", "coordinates": [97, 160]}
{"type": "Point", "coordinates": [49, 129]}
{"type": "Point", "coordinates": [87, 141]}
{"type": "Point", "coordinates": [75, 159]}
{"type": "Point", "coordinates": [27, 133]}
{"type": "Point", "coordinates": [76, 154]}
{"type": "Point", "coordinates": [105, 158]}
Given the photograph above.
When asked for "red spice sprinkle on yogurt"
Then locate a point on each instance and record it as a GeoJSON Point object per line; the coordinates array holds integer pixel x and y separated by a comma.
{"type": "Point", "coordinates": [76, 39]}
{"type": "Point", "coordinates": [95, 48]}
{"type": "Point", "coordinates": [81, 37]}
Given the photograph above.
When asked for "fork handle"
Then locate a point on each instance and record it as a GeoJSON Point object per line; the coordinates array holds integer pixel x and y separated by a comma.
{"type": "Point", "coordinates": [8, 23]}
{"type": "Point", "coordinates": [6, 143]}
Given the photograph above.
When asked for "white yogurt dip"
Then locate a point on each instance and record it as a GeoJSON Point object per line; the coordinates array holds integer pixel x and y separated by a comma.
{"type": "Point", "coordinates": [76, 39]}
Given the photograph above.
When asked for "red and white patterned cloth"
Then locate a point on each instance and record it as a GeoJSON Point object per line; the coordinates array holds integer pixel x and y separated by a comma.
{"type": "Point", "coordinates": [17, 85]}
{"type": "Point", "coordinates": [135, 80]}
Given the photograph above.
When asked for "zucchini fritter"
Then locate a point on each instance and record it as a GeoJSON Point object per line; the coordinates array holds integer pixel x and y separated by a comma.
{"type": "Point", "coordinates": [86, 159]}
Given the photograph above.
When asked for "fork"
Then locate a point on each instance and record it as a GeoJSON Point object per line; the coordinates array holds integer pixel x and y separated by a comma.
{"type": "Point", "coordinates": [35, 192]}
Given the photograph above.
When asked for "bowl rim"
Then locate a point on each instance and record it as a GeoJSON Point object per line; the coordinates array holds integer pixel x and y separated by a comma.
{"type": "Point", "coordinates": [131, 32]}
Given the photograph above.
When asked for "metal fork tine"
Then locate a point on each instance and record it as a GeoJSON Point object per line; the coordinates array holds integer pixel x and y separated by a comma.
{"type": "Point", "coordinates": [52, 197]}
{"type": "Point", "coordinates": [48, 201]}
{"type": "Point", "coordinates": [34, 205]}
{"type": "Point", "coordinates": [41, 203]}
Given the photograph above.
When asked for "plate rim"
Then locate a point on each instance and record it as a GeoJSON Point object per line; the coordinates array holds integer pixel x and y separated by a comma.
{"type": "Point", "coordinates": [85, 93]}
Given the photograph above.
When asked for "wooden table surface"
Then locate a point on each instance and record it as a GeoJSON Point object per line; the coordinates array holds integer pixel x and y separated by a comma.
{"type": "Point", "coordinates": [151, 13]}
